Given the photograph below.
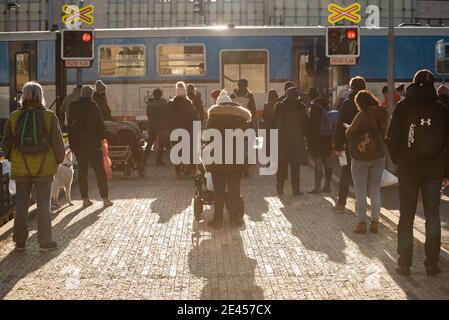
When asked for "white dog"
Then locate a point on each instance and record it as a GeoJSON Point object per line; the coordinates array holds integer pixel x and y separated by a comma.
{"type": "Point", "coordinates": [63, 179]}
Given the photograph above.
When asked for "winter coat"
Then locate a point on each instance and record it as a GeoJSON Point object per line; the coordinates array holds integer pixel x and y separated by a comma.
{"type": "Point", "coordinates": [102, 102]}
{"type": "Point", "coordinates": [347, 113]}
{"type": "Point", "coordinates": [292, 124]}
{"type": "Point", "coordinates": [397, 136]}
{"type": "Point", "coordinates": [87, 112]}
{"type": "Point", "coordinates": [228, 116]}
{"type": "Point", "coordinates": [268, 116]}
{"type": "Point", "coordinates": [180, 114]}
{"type": "Point", "coordinates": [251, 106]}
{"type": "Point", "coordinates": [157, 114]}
{"type": "Point", "coordinates": [197, 105]}
{"type": "Point", "coordinates": [319, 146]}
{"type": "Point", "coordinates": [375, 117]}
{"type": "Point", "coordinates": [54, 155]}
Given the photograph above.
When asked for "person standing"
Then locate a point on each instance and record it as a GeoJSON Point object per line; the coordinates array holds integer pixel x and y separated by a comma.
{"type": "Point", "coordinates": [287, 85]}
{"type": "Point", "coordinates": [367, 149]}
{"type": "Point", "coordinates": [348, 111]}
{"type": "Point", "coordinates": [197, 103]}
{"type": "Point", "coordinates": [291, 121]}
{"type": "Point", "coordinates": [268, 116]}
{"type": "Point", "coordinates": [35, 149]}
{"type": "Point", "coordinates": [102, 101]}
{"type": "Point", "coordinates": [86, 131]}
{"type": "Point", "coordinates": [157, 117]}
{"type": "Point", "coordinates": [418, 142]}
{"type": "Point", "coordinates": [320, 145]}
{"type": "Point", "coordinates": [181, 116]}
{"type": "Point", "coordinates": [227, 115]}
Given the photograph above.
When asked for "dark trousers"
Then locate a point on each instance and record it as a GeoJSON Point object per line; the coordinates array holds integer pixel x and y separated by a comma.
{"type": "Point", "coordinates": [94, 157]}
{"type": "Point", "coordinates": [294, 175]}
{"type": "Point", "coordinates": [229, 182]}
{"type": "Point", "coordinates": [345, 182]}
{"type": "Point", "coordinates": [153, 134]}
{"type": "Point", "coordinates": [408, 197]}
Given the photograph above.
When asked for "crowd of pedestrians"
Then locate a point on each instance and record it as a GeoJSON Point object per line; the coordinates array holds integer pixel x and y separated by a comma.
{"type": "Point", "coordinates": [361, 132]}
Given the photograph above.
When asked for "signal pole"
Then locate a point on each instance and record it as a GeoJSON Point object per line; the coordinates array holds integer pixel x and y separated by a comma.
{"type": "Point", "coordinates": [391, 74]}
{"type": "Point", "coordinates": [79, 71]}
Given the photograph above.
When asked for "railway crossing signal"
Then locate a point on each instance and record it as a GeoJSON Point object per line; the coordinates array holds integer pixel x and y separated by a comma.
{"type": "Point", "coordinates": [343, 44]}
{"type": "Point", "coordinates": [77, 45]}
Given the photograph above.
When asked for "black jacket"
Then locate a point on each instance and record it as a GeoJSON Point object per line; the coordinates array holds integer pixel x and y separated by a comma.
{"type": "Point", "coordinates": [197, 105]}
{"type": "Point", "coordinates": [348, 111]}
{"type": "Point", "coordinates": [318, 145]}
{"type": "Point", "coordinates": [444, 99]}
{"type": "Point", "coordinates": [87, 112]}
{"type": "Point", "coordinates": [397, 136]}
{"type": "Point", "coordinates": [180, 114]}
{"type": "Point", "coordinates": [228, 116]}
{"type": "Point", "coordinates": [157, 114]}
{"type": "Point", "coordinates": [268, 116]}
{"type": "Point", "coordinates": [102, 102]}
{"type": "Point", "coordinates": [292, 124]}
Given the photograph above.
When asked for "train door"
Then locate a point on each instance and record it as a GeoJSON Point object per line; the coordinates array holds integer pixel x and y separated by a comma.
{"type": "Point", "coordinates": [23, 68]}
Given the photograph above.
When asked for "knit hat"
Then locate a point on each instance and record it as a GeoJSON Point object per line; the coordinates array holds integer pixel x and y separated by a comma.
{"type": "Point", "coordinates": [224, 98]}
{"type": "Point", "coordinates": [214, 95]}
{"type": "Point", "coordinates": [288, 84]}
{"type": "Point", "coordinates": [87, 91]}
{"type": "Point", "coordinates": [181, 90]}
{"type": "Point", "coordinates": [443, 90]}
{"type": "Point", "coordinates": [100, 86]}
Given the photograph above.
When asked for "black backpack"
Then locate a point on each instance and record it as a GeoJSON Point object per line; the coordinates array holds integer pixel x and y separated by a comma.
{"type": "Point", "coordinates": [31, 136]}
{"type": "Point", "coordinates": [367, 143]}
{"type": "Point", "coordinates": [425, 134]}
{"type": "Point", "coordinates": [77, 132]}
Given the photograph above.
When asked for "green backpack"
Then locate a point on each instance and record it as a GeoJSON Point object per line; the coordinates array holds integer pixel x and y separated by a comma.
{"type": "Point", "coordinates": [31, 136]}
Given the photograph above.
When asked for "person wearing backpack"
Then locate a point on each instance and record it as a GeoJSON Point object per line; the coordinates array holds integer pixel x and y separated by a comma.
{"type": "Point", "coordinates": [319, 141]}
{"type": "Point", "coordinates": [33, 143]}
{"type": "Point", "coordinates": [347, 113]}
{"type": "Point", "coordinates": [418, 142]}
{"type": "Point", "coordinates": [366, 147]}
{"type": "Point", "coordinates": [86, 131]}
{"type": "Point", "coordinates": [157, 114]}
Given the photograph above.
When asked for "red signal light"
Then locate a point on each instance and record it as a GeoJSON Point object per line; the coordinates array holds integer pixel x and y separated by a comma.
{"type": "Point", "coordinates": [351, 34]}
{"type": "Point", "coordinates": [87, 37]}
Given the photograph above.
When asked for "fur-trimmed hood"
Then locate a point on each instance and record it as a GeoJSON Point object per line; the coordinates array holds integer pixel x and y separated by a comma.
{"type": "Point", "coordinates": [230, 109]}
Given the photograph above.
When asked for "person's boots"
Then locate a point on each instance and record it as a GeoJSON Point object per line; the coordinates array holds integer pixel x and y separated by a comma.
{"type": "Point", "coordinates": [87, 202]}
{"type": "Point", "coordinates": [361, 228]}
{"type": "Point", "coordinates": [107, 203]}
{"type": "Point", "coordinates": [318, 178]}
{"type": "Point", "coordinates": [327, 184]}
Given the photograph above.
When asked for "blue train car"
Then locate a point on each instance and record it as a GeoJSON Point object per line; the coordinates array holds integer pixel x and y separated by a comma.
{"type": "Point", "coordinates": [132, 62]}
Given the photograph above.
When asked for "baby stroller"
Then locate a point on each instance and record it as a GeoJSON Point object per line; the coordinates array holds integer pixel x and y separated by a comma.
{"type": "Point", "coordinates": [126, 147]}
{"type": "Point", "coordinates": [204, 193]}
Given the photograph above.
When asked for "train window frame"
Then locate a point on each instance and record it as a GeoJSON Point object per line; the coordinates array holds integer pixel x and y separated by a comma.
{"type": "Point", "coordinates": [267, 71]}
{"type": "Point", "coordinates": [20, 90]}
{"type": "Point", "coordinates": [159, 74]}
{"type": "Point", "coordinates": [145, 60]}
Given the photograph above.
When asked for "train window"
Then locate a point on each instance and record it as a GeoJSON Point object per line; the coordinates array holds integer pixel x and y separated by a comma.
{"type": "Point", "coordinates": [251, 65]}
{"type": "Point", "coordinates": [122, 61]}
{"type": "Point", "coordinates": [181, 60]}
{"type": "Point", "coordinates": [22, 70]}
{"type": "Point", "coordinates": [305, 76]}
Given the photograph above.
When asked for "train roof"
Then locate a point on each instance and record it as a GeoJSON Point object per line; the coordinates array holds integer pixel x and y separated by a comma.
{"type": "Point", "coordinates": [224, 31]}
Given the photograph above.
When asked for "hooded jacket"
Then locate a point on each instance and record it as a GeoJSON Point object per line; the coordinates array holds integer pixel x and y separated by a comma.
{"type": "Point", "coordinates": [318, 145]}
{"type": "Point", "coordinates": [420, 97]}
{"type": "Point", "coordinates": [157, 114]}
{"type": "Point", "coordinates": [103, 105]}
{"type": "Point", "coordinates": [243, 92]}
{"type": "Point", "coordinates": [180, 114]}
{"type": "Point", "coordinates": [72, 97]}
{"type": "Point", "coordinates": [228, 116]}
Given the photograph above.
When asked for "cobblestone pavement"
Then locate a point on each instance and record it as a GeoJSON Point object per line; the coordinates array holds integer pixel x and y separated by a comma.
{"type": "Point", "coordinates": [147, 247]}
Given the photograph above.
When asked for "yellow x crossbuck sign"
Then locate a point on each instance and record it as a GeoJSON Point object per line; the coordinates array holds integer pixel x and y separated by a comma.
{"type": "Point", "coordinates": [344, 13]}
{"type": "Point", "coordinates": [74, 13]}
